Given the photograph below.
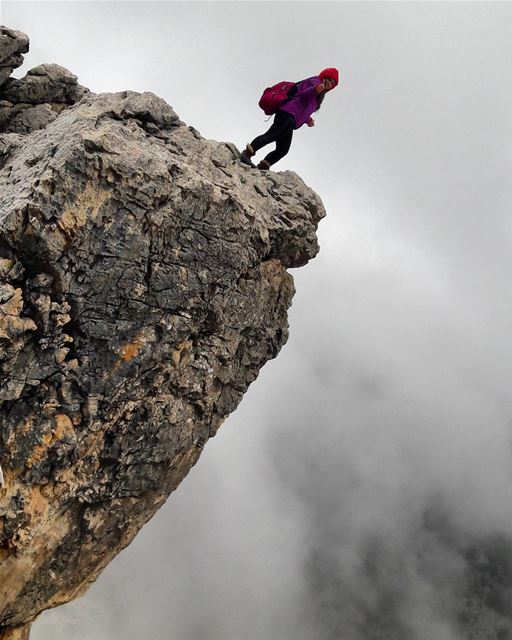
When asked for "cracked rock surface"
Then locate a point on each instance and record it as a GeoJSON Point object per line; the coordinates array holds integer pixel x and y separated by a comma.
{"type": "Point", "coordinates": [143, 284]}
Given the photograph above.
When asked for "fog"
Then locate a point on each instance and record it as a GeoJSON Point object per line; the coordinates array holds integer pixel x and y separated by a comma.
{"type": "Point", "coordinates": [362, 490]}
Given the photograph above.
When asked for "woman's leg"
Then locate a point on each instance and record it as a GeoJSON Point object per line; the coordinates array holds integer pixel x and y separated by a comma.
{"type": "Point", "coordinates": [282, 147]}
{"type": "Point", "coordinates": [283, 124]}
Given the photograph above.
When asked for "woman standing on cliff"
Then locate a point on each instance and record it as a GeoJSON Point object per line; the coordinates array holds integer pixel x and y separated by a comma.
{"type": "Point", "coordinates": [291, 115]}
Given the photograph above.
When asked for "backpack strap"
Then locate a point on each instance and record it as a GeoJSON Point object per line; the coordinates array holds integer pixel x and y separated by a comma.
{"type": "Point", "coordinates": [292, 91]}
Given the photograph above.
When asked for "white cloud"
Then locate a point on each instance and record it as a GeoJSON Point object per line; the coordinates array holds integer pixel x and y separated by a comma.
{"type": "Point", "coordinates": [391, 403]}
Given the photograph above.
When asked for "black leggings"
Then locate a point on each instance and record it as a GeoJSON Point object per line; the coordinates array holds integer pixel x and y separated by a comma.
{"type": "Point", "coordinates": [281, 133]}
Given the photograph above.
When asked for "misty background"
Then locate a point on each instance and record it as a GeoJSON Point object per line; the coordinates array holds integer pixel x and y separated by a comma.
{"type": "Point", "coordinates": [363, 488]}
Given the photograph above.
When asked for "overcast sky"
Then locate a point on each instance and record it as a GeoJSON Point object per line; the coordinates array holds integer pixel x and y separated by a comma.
{"type": "Point", "coordinates": [377, 447]}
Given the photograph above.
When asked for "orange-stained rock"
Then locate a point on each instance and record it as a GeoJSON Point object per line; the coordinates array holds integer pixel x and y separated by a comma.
{"type": "Point", "coordinates": [18, 633]}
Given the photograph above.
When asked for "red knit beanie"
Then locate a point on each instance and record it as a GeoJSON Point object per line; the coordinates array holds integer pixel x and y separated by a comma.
{"type": "Point", "coordinates": [330, 73]}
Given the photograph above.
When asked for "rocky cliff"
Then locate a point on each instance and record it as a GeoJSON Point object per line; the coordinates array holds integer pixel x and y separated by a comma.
{"type": "Point", "coordinates": [143, 284]}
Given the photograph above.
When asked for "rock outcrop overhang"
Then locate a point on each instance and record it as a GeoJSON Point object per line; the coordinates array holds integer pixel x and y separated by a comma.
{"type": "Point", "coordinates": [143, 284]}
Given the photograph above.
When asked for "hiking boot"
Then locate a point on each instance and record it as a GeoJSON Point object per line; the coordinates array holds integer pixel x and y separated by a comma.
{"type": "Point", "coordinates": [247, 154]}
{"type": "Point", "coordinates": [264, 165]}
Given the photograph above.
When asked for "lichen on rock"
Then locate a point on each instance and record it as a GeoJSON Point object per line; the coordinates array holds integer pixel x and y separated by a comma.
{"type": "Point", "coordinates": [143, 285]}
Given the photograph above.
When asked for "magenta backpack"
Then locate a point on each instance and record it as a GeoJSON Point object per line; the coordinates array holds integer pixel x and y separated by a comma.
{"type": "Point", "coordinates": [274, 97]}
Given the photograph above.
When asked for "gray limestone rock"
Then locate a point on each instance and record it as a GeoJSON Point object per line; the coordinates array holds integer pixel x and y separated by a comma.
{"type": "Point", "coordinates": [13, 44]}
{"type": "Point", "coordinates": [143, 284]}
{"type": "Point", "coordinates": [47, 83]}
{"type": "Point", "coordinates": [26, 119]}
{"type": "Point", "coordinates": [34, 101]}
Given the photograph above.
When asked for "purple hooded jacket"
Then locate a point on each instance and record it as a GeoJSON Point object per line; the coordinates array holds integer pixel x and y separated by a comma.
{"type": "Point", "coordinates": [305, 102]}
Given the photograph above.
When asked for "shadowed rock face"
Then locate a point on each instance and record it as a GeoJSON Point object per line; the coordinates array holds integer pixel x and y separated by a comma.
{"type": "Point", "coordinates": [143, 285]}
{"type": "Point", "coordinates": [33, 102]}
{"type": "Point", "coordinates": [13, 44]}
